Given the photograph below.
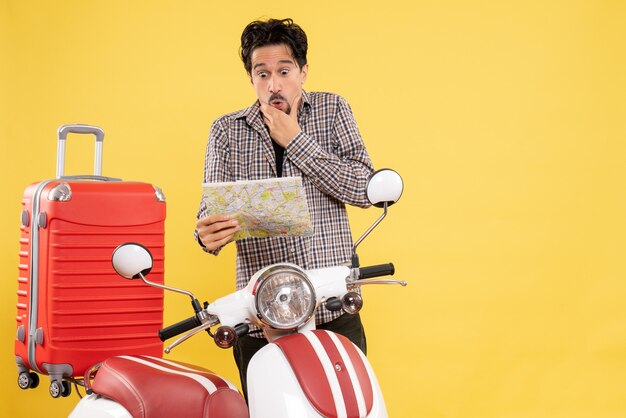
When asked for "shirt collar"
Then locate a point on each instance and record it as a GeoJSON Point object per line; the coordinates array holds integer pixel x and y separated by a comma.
{"type": "Point", "coordinates": [252, 113]}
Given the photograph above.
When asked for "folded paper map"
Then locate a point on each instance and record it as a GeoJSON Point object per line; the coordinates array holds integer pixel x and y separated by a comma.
{"type": "Point", "coordinates": [263, 208]}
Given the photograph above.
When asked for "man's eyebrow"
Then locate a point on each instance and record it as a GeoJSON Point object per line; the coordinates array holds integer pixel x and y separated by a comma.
{"type": "Point", "coordinates": [262, 64]}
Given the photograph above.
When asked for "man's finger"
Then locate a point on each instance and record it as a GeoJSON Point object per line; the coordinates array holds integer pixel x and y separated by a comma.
{"type": "Point", "coordinates": [211, 219]}
{"type": "Point", "coordinates": [268, 111]}
{"type": "Point", "coordinates": [227, 238]}
{"type": "Point", "coordinates": [294, 106]}
{"type": "Point", "coordinates": [224, 233]}
{"type": "Point", "coordinates": [214, 245]}
{"type": "Point", "coordinates": [215, 240]}
{"type": "Point", "coordinates": [267, 119]}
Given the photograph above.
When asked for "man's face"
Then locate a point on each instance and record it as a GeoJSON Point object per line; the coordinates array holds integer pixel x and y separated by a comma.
{"type": "Point", "coordinates": [276, 77]}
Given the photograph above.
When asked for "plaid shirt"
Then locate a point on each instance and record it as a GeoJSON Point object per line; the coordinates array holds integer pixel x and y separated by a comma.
{"type": "Point", "coordinates": [328, 154]}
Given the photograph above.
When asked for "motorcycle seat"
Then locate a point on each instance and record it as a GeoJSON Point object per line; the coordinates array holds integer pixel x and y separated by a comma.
{"type": "Point", "coordinates": [151, 387]}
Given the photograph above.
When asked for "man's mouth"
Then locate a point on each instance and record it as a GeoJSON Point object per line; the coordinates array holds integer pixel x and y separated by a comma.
{"type": "Point", "coordinates": [276, 100]}
{"type": "Point", "coordinates": [277, 103]}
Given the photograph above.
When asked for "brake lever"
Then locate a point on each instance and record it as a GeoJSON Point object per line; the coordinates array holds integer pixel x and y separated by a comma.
{"type": "Point", "coordinates": [361, 282]}
{"type": "Point", "coordinates": [191, 333]}
{"type": "Point", "coordinates": [353, 280]}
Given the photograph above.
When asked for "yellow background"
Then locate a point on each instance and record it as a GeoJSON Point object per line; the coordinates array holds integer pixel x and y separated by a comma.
{"type": "Point", "coordinates": [505, 118]}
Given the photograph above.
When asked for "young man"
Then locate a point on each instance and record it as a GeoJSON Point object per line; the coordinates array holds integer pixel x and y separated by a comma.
{"type": "Point", "coordinates": [288, 132]}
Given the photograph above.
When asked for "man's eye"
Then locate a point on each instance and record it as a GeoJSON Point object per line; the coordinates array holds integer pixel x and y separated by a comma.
{"type": "Point", "coordinates": [284, 71]}
{"type": "Point", "coordinates": [262, 74]}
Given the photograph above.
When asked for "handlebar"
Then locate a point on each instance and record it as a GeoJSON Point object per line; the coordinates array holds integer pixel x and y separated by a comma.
{"type": "Point", "coordinates": [363, 273]}
{"type": "Point", "coordinates": [376, 271]}
{"type": "Point", "coordinates": [178, 328]}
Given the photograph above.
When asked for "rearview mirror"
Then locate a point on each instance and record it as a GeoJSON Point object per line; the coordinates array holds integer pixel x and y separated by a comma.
{"type": "Point", "coordinates": [384, 186]}
{"type": "Point", "coordinates": [131, 260]}
{"type": "Point", "coordinates": [134, 261]}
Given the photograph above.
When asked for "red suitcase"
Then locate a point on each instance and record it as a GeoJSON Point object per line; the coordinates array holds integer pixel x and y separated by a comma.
{"type": "Point", "coordinates": [73, 310]}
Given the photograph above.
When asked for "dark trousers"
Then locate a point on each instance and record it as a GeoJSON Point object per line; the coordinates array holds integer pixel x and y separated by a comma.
{"type": "Point", "coordinates": [349, 326]}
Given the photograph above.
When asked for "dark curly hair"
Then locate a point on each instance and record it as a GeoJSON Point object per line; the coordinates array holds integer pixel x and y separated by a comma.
{"type": "Point", "coordinates": [273, 32]}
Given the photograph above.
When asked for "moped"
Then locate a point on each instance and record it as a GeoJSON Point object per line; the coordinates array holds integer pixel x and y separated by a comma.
{"type": "Point", "coordinates": [302, 372]}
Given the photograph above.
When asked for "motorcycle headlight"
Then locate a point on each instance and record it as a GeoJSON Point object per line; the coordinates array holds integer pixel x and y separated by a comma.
{"type": "Point", "coordinates": [285, 298]}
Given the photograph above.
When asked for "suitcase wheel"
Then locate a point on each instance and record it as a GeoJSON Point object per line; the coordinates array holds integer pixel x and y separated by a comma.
{"type": "Point", "coordinates": [28, 380]}
{"type": "Point", "coordinates": [60, 388]}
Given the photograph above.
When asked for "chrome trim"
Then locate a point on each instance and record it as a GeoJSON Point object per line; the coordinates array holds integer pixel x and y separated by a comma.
{"type": "Point", "coordinates": [267, 274]}
{"type": "Point", "coordinates": [162, 286]}
{"type": "Point", "coordinates": [367, 281]}
{"type": "Point", "coordinates": [62, 192]}
{"type": "Point", "coordinates": [34, 277]}
{"type": "Point", "coordinates": [371, 228]}
{"type": "Point", "coordinates": [160, 196]}
{"type": "Point", "coordinates": [190, 334]}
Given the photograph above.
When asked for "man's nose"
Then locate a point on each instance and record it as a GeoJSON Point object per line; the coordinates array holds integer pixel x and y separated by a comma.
{"type": "Point", "coordinates": [274, 85]}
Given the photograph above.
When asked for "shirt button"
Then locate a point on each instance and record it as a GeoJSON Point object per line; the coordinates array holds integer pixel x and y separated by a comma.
{"type": "Point", "coordinates": [293, 250]}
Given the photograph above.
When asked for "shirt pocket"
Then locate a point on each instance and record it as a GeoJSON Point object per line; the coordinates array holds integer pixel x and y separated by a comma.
{"type": "Point", "coordinates": [256, 157]}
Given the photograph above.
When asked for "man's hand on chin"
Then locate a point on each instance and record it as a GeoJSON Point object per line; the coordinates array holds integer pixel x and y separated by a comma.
{"type": "Point", "coordinates": [283, 127]}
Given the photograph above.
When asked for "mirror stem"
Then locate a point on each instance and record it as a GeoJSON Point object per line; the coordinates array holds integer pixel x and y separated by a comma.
{"type": "Point", "coordinates": [194, 301]}
{"type": "Point", "coordinates": [355, 257]}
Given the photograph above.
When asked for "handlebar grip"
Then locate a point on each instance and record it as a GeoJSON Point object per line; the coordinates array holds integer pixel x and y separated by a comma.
{"type": "Point", "coordinates": [178, 328]}
{"type": "Point", "coordinates": [376, 271]}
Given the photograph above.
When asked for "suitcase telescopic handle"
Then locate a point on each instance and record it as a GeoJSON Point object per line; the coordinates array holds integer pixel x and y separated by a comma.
{"type": "Point", "coordinates": [79, 129]}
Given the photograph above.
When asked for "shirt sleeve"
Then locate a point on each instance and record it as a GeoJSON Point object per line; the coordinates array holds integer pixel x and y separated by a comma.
{"type": "Point", "coordinates": [342, 173]}
{"type": "Point", "coordinates": [215, 169]}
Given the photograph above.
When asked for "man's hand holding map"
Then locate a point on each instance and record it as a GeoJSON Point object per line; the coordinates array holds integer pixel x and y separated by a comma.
{"type": "Point", "coordinates": [263, 208]}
